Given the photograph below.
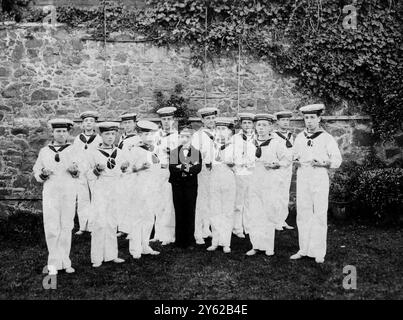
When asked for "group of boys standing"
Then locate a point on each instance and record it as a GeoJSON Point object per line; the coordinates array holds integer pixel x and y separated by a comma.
{"type": "Point", "coordinates": [186, 186]}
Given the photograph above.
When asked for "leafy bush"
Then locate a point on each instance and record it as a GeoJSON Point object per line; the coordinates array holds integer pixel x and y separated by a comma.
{"type": "Point", "coordinates": [380, 193]}
{"type": "Point", "coordinates": [176, 100]}
{"type": "Point", "coordinates": [22, 225]}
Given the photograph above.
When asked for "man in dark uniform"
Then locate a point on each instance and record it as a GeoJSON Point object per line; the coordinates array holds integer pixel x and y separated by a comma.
{"type": "Point", "coordinates": [185, 163]}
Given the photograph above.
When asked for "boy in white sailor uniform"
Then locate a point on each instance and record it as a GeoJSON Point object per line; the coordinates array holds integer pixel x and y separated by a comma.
{"type": "Point", "coordinates": [244, 158]}
{"type": "Point", "coordinates": [203, 140]}
{"type": "Point", "coordinates": [129, 137]}
{"type": "Point", "coordinates": [315, 151]}
{"type": "Point", "coordinates": [57, 168]}
{"type": "Point", "coordinates": [127, 140]}
{"type": "Point", "coordinates": [167, 140]}
{"type": "Point", "coordinates": [145, 173]}
{"type": "Point", "coordinates": [284, 136]}
{"type": "Point", "coordinates": [83, 144]}
{"type": "Point", "coordinates": [222, 184]}
{"type": "Point", "coordinates": [107, 164]}
{"type": "Point", "coordinates": [271, 155]}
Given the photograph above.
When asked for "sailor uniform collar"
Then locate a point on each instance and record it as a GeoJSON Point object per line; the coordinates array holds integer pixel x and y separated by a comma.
{"type": "Point", "coordinates": [164, 134]}
{"type": "Point", "coordinates": [312, 136]}
{"type": "Point", "coordinates": [111, 162]}
{"type": "Point", "coordinates": [123, 138]}
{"type": "Point", "coordinates": [259, 146]}
{"type": "Point", "coordinates": [286, 137]}
{"type": "Point", "coordinates": [57, 151]}
{"type": "Point", "coordinates": [208, 133]}
{"type": "Point", "coordinates": [83, 138]}
{"type": "Point", "coordinates": [245, 137]}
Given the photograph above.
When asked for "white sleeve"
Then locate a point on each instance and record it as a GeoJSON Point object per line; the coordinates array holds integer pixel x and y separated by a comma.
{"type": "Point", "coordinates": [334, 153]}
{"type": "Point", "coordinates": [38, 166]}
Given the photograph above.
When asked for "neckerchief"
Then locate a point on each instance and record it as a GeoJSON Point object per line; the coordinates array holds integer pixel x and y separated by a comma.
{"type": "Point", "coordinates": [288, 143]}
{"type": "Point", "coordinates": [265, 143]}
{"type": "Point", "coordinates": [311, 137]}
{"type": "Point", "coordinates": [151, 149]}
{"type": "Point", "coordinates": [83, 138]}
{"type": "Point", "coordinates": [61, 148]}
{"type": "Point", "coordinates": [209, 134]}
{"type": "Point", "coordinates": [120, 146]}
{"type": "Point", "coordinates": [111, 162]}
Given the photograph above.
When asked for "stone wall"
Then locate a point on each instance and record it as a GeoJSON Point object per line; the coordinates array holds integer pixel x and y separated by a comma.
{"type": "Point", "coordinates": [46, 73]}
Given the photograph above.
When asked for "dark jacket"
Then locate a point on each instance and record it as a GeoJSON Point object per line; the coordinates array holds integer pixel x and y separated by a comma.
{"type": "Point", "coordinates": [179, 175]}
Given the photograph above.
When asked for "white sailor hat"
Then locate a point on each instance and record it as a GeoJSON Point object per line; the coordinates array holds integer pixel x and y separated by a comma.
{"type": "Point", "coordinates": [210, 111]}
{"type": "Point", "coordinates": [61, 123]}
{"type": "Point", "coordinates": [226, 122]}
{"type": "Point", "coordinates": [166, 111]}
{"type": "Point", "coordinates": [283, 114]}
{"type": "Point", "coordinates": [186, 131]}
{"type": "Point", "coordinates": [265, 116]}
{"type": "Point", "coordinates": [313, 108]}
{"type": "Point", "coordinates": [146, 126]}
{"type": "Point", "coordinates": [128, 116]}
{"type": "Point", "coordinates": [89, 114]}
{"type": "Point", "coordinates": [246, 116]}
{"type": "Point", "coordinates": [108, 126]}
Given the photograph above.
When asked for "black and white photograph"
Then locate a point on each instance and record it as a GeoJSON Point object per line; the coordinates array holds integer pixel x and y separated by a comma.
{"type": "Point", "coordinates": [201, 155]}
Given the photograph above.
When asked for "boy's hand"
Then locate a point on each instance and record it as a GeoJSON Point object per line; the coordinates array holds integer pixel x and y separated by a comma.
{"type": "Point", "coordinates": [272, 165]}
{"type": "Point", "coordinates": [124, 166]}
{"type": "Point", "coordinates": [98, 169]}
{"type": "Point", "coordinates": [323, 164]}
{"type": "Point", "coordinates": [45, 174]}
{"type": "Point", "coordinates": [73, 170]}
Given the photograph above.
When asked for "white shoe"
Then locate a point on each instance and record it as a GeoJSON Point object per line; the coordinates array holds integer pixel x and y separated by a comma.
{"type": "Point", "coordinates": [136, 255]}
{"type": "Point", "coordinates": [70, 270]}
{"type": "Point", "coordinates": [79, 233]}
{"type": "Point", "coordinates": [269, 253]}
{"type": "Point", "coordinates": [52, 271]}
{"type": "Point", "coordinates": [119, 234]}
{"type": "Point", "coordinates": [154, 240]}
{"type": "Point", "coordinates": [287, 226]}
{"type": "Point", "coordinates": [200, 241]}
{"type": "Point", "coordinates": [150, 251]}
{"type": "Point", "coordinates": [319, 260]}
{"type": "Point", "coordinates": [251, 252]}
{"type": "Point", "coordinates": [211, 248]}
{"type": "Point", "coordinates": [164, 243]}
{"type": "Point", "coordinates": [240, 235]}
{"type": "Point", "coordinates": [97, 265]}
{"type": "Point", "coordinates": [226, 250]}
{"type": "Point", "coordinates": [279, 228]}
{"type": "Point", "coordinates": [118, 260]}
{"type": "Point", "coordinates": [296, 256]}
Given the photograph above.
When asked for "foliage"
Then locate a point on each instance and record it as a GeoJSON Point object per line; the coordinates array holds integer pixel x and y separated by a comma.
{"type": "Point", "coordinates": [22, 224]}
{"type": "Point", "coordinates": [176, 100]}
{"type": "Point", "coordinates": [304, 38]}
{"type": "Point", "coordinates": [380, 192]}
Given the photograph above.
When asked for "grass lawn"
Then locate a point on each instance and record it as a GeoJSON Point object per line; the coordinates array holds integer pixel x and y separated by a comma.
{"type": "Point", "coordinates": [198, 274]}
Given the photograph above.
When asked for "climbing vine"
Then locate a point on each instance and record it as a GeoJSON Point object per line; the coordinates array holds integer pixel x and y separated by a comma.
{"type": "Point", "coordinates": [304, 38]}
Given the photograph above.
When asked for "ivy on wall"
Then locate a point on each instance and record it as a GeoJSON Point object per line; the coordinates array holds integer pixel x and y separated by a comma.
{"type": "Point", "coordinates": [304, 38]}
